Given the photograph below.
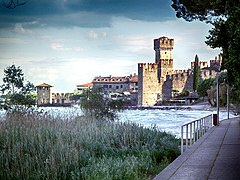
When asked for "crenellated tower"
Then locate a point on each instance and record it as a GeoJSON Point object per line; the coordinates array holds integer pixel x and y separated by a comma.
{"type": "Point", "coordinates": [149, 87]}
{"type": "Point", "coordinates": [163, 47]}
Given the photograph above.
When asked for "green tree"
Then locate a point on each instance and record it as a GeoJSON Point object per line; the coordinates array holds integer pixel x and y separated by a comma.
{"type": "Point", "coordinates": [17, 96]}
{"type": "Point", "coordinates": [225, 34]}
{"type": "Point", "coordinates": [205, 85]}
{"type": "Point", "coordinates": [196, 72]}
{"type": "Point", "coordinates": [94, 104]}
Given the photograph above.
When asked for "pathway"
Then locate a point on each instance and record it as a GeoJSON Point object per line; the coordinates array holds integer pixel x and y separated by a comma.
{"type": "Point", "coordinates": [214, 156]}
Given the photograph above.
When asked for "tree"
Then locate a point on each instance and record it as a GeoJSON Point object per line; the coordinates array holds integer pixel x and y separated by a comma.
{"type": "Point", "coordinates": [225, 34]}
{"type": "Point", "coordinates": [94, 104]}
{"type": "Point", "coordinates": [205, 85]}
{"type": "Point", "coordinates": [18, 97]}
{"type": "Point", "coordinates": [11, 4]}
{"type": "Point", "coordinates": [196, 72]}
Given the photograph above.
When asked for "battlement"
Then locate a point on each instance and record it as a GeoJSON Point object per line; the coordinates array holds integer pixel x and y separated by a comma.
{"type": "Point", "coordinates": [163, 43]}
{"type": "Point", "coordinates": [202, 64]}
{"type": "Point", "coordinates": [166, 62]}
{"type": "Point", "coordinates": [148, 66]}
{"type": "Point", "coordinates": [213, 62]}
{"type": "Point", "coordinates": [181, 73]}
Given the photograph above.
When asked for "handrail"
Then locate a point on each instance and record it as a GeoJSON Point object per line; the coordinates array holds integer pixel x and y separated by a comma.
{"type": "Point", "coordinates": [194, 130]}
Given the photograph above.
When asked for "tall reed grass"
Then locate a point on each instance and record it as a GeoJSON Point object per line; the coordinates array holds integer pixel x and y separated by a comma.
{"type": "Point", "coordinates": [45, 147]}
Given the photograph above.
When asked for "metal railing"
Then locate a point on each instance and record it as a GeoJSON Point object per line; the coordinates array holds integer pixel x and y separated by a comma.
{"type": "Point", "coordinates": [192, 131]}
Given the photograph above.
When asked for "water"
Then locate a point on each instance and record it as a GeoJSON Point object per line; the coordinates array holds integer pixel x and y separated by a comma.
{"type": "Point", "coordinates": [165, 120]}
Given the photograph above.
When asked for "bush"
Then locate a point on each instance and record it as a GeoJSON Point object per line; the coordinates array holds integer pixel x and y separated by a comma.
{"type": "Point", "coordinates": [94, 104]}
{"type": "Point", "coordinates": [44, 147]}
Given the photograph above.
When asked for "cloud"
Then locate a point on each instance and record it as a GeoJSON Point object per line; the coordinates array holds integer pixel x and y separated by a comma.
{"type": "Point", "coordinates": [85, 13]}
{"type": "Point", "coordinates": [19, 29]}
{"type": "Point", "coordinates": [94, 35]}
{"type": "Point", "coordinates": [60, 47]}
{"type": "Point", "coordinates": [11, 40]}
{"type": "Point", "coordinates": [134, 44]}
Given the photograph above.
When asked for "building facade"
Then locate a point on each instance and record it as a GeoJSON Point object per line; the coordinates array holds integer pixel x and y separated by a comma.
{"type": "Point", "coordinates": [116, 84]}
{"type": "Point", "coordinates": [118, 87]}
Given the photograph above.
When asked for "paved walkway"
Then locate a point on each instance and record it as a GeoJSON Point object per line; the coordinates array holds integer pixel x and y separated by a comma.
{"type": "Point", "coordinates": [214, 156]}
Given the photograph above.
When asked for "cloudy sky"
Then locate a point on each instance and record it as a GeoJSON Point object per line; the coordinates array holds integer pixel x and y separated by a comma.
{"type": "Point", "coordinates": [68, 42]}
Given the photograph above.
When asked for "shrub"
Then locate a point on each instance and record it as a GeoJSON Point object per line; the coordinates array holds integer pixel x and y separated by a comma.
{"type": "Point", "coordinates": [44, 147]}
{"type": "Point", "coordinates": [94, 104]}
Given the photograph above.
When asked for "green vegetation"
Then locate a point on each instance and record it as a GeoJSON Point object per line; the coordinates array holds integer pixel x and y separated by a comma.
{"type": "Point", "coordinates": [183, 94]}
{"type": "Point", "coordinates": [205, 85]}
{"type": "Point", "coordinates": [94, 104]}
{"type": "Point", "coordinates": [38, 146]}
{"type": "Point", "coordinates": [17, 96]}
{"type": "Point", "coordinates": [196, 71]}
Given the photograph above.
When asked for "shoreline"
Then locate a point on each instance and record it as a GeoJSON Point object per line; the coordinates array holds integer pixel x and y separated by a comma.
{"type": "Point", "coordinates": [184, 107]}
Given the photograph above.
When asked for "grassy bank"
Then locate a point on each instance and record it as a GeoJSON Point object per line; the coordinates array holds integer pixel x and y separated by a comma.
{"type": "Point", "coordinates": [43, 147]}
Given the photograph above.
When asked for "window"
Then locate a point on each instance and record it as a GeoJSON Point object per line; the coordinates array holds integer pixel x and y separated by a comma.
{"type": "Point", "coordinates": [117, 87]}
{"type": "Point", "coordinates": [110, 86]}
{"type": "Point", "coordinates": [121, 86]}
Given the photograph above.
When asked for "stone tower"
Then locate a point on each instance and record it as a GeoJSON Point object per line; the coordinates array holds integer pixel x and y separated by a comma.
{"type": "Point", "coordinates": [44, 95]}
{"type": "Point", "coordinates": [149, 86]}
{"type": "Point", "coordinates": [163, 47]}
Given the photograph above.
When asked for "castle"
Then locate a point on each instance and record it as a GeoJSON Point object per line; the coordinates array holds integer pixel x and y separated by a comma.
{"type": "Point", "coordinates": [45, 97]}
{"type": "Point", "coordinates": [158, 81]}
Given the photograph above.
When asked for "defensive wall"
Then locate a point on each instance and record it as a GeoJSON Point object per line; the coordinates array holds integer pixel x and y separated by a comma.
{"type": "Point", "coordinates": [157, 81]}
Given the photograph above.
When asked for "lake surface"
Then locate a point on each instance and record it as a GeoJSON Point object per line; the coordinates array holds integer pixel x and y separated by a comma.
{"type": "Point", "coordinates": [165, 120]}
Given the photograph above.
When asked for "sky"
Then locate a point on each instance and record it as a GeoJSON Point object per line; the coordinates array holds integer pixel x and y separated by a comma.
{"type": "Point", "coordinates": [68, 42]}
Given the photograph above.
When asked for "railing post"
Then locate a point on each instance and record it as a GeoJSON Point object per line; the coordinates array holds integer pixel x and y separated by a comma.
{"type": "Point", "coordinates": [186, 136]}
{"type": "Point", "coordinates": [194, 131]}
{"type": "Point", "coordinates": [182, 139]}
{"type": "Point", "coordinates": [201, 128]}
{"type": "Point", "coordinates": [205, 126]}
{"type": "Point", "coordinates": [197, 131]}
{"type": "Point", "coordinates": [190, 134]}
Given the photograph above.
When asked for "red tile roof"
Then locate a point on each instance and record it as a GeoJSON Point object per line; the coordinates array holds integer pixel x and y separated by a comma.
{"type": "Point", "coordinates": [44, 85]}
{"type": "Point", "coordinates": [134, 78]}
{"type": "Point", "coordinates": [85, 85]}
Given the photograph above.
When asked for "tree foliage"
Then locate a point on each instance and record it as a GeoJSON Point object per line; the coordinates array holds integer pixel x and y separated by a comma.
{"type": "Point", "coordinates": [225, 34]}
{"type": "Point", "coordinates": [196, 72]}
{"type": "Point", "coordinates": [12, 4]}
{"type": "Point", "coordinates": [17, 96]}
{"type": "Point", "coordinates": [94, 104]}
{"type": "Point", "coordinates": [205, 85]}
